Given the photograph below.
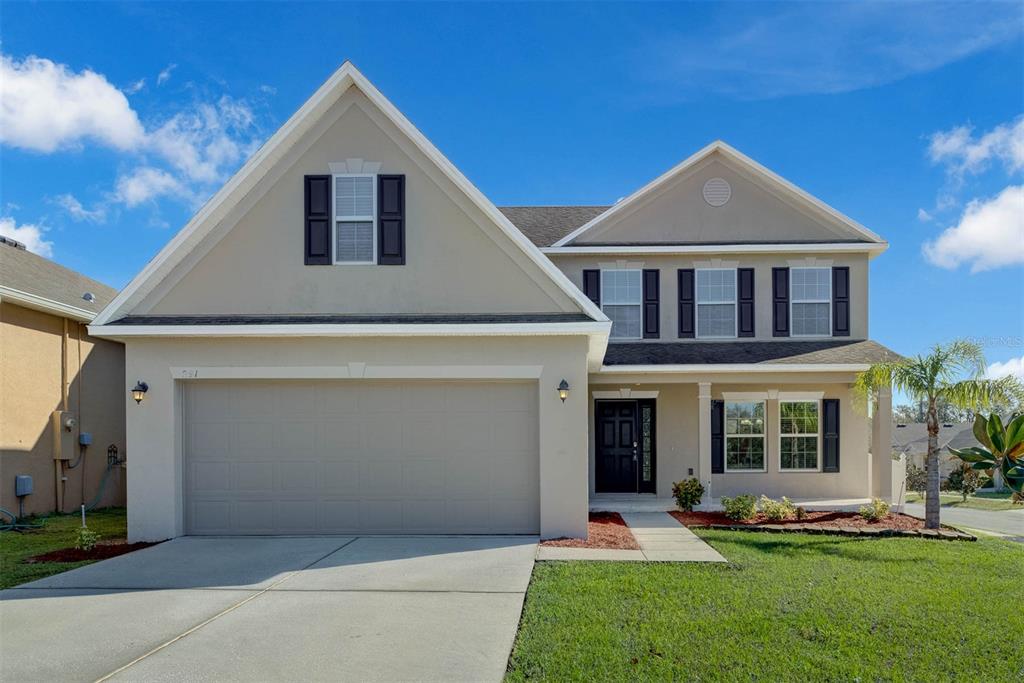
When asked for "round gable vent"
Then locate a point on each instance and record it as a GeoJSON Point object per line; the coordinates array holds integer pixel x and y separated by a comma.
{"type": "Point", "coordinates": [717, 191]}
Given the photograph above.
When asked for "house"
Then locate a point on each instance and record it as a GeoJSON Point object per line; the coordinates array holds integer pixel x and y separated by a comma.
{"type": "Point", "coordinates": [59, 387]}
{"type": "Point", "coordinates": [910, 439]}
{"type": "Point", "coordinates": [349, 337]}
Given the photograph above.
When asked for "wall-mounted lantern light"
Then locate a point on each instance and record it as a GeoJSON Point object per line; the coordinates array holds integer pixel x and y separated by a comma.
{"type": "Point", "coordinates": [139, 391]}
{"type": "Point", "coordinates": [563, 390]}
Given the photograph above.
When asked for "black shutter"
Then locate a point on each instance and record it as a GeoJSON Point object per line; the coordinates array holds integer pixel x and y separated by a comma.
{"type": "Point", "coordinates": [391, 220]}
{"type": "Point", "coordinates": [745, 298]}
{"type": "Point", "coordinates": [652, 308]}
{"type": "Point", "coordinates": [687, 304]}
{"type": "Point", "coordinates": [592, 286]}
{"type": "Point", "coordinates": [841, 301]}
{"type": "Point", "coordinates": [780, 302]}
{"type": "Point", "coordinates": [717, 437]}
{"type": "Point", "coordinates": [317, 219]}
{"type": "Point", "coordinates": [830, 434]}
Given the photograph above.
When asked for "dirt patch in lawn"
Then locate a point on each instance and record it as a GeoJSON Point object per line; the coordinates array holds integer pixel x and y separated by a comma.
{"type": "Point", "coordinates": [101, 551]}
{"type": "Point", "coordinates": [830, 519]}
{"type": "Point", "coordinates": [604, 530]}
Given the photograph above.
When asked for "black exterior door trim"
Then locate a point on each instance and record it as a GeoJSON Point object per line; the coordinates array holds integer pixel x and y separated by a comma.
{"type": "Point", "coordinates": [608, 477]}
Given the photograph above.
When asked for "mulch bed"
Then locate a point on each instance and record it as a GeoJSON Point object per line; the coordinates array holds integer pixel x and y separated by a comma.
{"type": "Point", "coordinates": [101, 551]}
{"type": "Point", "coordinates": [604, 530]}
{"type": "Point", "coordinates": [823, 522]}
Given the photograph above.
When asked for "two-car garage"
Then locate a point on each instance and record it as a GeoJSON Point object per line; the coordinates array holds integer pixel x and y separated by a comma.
{"type": "Point", "coordinates": [348, 456]}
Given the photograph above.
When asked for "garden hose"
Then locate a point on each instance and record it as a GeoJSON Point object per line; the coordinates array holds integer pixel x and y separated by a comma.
{"type": "Point", "coordinates": [15, 525]}
{"type": "Point", "coordinates": [112, 462]}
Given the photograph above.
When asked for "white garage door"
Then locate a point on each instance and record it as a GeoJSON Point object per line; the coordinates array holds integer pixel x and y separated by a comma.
{"type": "Point", "coordinates": [339, 457]}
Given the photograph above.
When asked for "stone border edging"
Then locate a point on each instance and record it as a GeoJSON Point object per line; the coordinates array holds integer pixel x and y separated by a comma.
{"type": "Point", "coordinates": [936, 534]}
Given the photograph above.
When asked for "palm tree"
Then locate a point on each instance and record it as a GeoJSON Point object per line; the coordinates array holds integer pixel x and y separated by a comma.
{"type": "Point", "coordinates": [953, 373]}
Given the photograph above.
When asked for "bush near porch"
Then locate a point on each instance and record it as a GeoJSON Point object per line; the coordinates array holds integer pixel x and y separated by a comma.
{"type": "Point", "coordinates": [786, 608]}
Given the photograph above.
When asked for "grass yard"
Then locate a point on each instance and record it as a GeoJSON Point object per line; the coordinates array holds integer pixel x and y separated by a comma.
{"type": "Point", "coordinates": [979, 501]}
{"type": "Point", "coordinates": [59, 532]}
{"type": "Point", "coordinates": [787, 608]}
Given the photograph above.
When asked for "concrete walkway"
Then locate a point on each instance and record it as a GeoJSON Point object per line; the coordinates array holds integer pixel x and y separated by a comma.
{"type": "Point", "coordinates": [1005, 522]}
{"type": "Point", "coordinates": [663, 539]}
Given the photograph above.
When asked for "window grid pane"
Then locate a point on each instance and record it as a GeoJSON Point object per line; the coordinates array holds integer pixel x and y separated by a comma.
{"type": "Point", "coordinates": [799, 453]}
{"type": "Point", "coordinates": [625, 320]}
{"type": "Point", "coordinates": [621, 287]}
{"type": "Point", "coordinates": [354, 241]}
{"type": "Point", "coordinates": [811, 284]}
{"type": "Point", "coordinates": [744, 417]}
{"type": "Point", "coordinates": [811, 319]}
{"type": "Point", "coordinates": [798, 426]}
{"type": "Point", "coordinates": [744, 452]}
{"type": "Point", "coordinates": [716, 286]}
{"type": "Point", "coordinates": [353, 196]}
{"type": "Point", "coordinates": [716, 320]}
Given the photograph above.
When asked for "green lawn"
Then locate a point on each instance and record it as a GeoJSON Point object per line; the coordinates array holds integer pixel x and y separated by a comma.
{"type": "Point", "coordinates": [787, 608]}
{"type": "Point", "coordinates": [979, 501]}
{"type": "Point", "coordinates": [58, 532]}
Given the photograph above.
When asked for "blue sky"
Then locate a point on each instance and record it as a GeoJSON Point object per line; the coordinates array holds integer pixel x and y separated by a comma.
{"type": "Point", "coordinates": [120, 119]}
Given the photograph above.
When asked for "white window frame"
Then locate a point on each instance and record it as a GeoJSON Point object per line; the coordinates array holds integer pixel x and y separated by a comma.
{"type": "Point", "coordinates": [726, 436]}
{"type": "Point", "coordinates": [787, 470]}
{"type": "Point", "coordinates": [792, 300]}
{"type": "Point", "coordinates": [735, 303]}
{"type": "Point", "coordinates": [335, 218]}
{"type": "Point", "coordinates": [639, 302]}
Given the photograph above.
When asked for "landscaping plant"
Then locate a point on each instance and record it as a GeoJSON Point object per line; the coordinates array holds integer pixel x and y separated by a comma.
{"type": "Point", "coordinates": [801, 512]}
{"type": "Point", "coordinates": [740, 508]}
{"type": "Point", "coordinates": [964, 480]}
{"type": "Point", "coordinates": [86, 538]}
{"type": "Point", "coordinates": [776, 510]}
{"type": "Point", "coordinates": [936, 377]}
{"type": "Point", "coordinates": [1002, 448]}
{"type": "Point", "coordinates": [687, 493]}
{"type": "Point", "coordinates": [876, 511]}
{"type": "Point", "coordinates": [917, 480]}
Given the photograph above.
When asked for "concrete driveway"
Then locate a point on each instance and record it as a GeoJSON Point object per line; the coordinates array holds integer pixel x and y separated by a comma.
{"type": "Point", "coordinates": [367, 608]}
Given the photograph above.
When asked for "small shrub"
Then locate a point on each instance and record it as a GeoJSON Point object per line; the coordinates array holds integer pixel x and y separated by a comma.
{"type": "Point", "coordinates": [86, 538]}
{"type": "Point", "coordinates": [740, 507]}
{"type": "Point", "coordinates": [687, 493]}
{"type": "Point", "coordinates": [876, 511]}
{"type": "Point", "coordinates": [963, 480]}
{"type": "Point", "coordinates": [775, 510]}
{"type": "Point", "coordinates": [917, 479]}
{"type": "Point", "coordinates": [801, 512]}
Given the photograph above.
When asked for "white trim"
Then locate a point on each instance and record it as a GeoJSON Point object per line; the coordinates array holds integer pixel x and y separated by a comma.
{"type": "Point", "coordinates": [874, 248]}
{"type": "Point", "coordinates": [791, 396]}
{"type": "Point", "coordinates": [810, 301]}
{"type": "Point", "coordinates": [734, 303]}
{"type": "Point", "coordinates": [729, 152]}
{"type": "Point", "coordinates": [639, 303]}
{"type": "Point", "coordinates": [745, 396]}
{"type": "Point", "coordinates": [403, 330]}
{"type": "Point", "coordinates": [41, 303]}
{"type": "Point", "coordinates": [786, 470]}
{"type": "Point", "coordinates": [623, 393]}
{"type": "Point", "coordinates": [726, 436]}
{"type": "Point", "coordinates": [705, 369]}
{"type": "Point", "coordinates": [359, 371]}
{"type": "Point", "coordinates": [206, 219]}
{"type": "Point", "coordinates": [335, 218]}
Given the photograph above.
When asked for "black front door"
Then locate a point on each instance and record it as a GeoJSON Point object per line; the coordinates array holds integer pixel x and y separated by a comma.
{"type": "Point", "coordinates": [617, 446]}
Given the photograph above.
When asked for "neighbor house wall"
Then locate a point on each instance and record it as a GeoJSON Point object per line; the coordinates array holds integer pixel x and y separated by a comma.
{"type": "Point", "coordinates": [155, 501]}
{"type": "Point", "coordinates": [31, 346]}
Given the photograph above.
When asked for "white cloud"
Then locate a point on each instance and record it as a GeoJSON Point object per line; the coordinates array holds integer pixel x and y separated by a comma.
{"type": "Point", "coordinates": [29, 235]}
{"type": "Point", "coordinates": [962, 153]}
{"type": "Point", "coordinates": [45, 106]}
{"type": "Point", "coordinates": [990, 234]}
{"type": "Point", "coordinates": [1014, 367]}
{"type": "Point", "coordinates": [268, 89]}
{"type": "Point", "coordinates": [923, 216]}
{"type": "Point", "coordinates": [165, 75]}
{"type": "Point", "coordinates": [145, 184]}
{"type": "Point", "coordinates": [79, 212]}
{"type": "Point", "coordinates": [136, 86]}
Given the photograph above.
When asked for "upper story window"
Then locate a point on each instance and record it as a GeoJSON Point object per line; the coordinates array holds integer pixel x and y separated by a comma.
{"type": "Point", "coordinates": [716, 303]}
{"type": "Point", "coordinates": [810, 295]}
{"type": "Point", "coordinates": [622, 301]}
{"type": "Point", "coordinates": [798, 435]}
{"type": "Point", "coordinates": [744, 436]}
{"type": "Point", "coordinates": [355, 215]}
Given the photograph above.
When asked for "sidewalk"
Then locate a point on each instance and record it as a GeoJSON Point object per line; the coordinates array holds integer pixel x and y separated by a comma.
{"type": "Point", "coordinates": [661, 539]}
{"type": "Point", "coordinates": [1006, 522]}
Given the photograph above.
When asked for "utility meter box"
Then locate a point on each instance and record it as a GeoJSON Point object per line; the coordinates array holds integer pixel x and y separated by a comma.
{"type": "Point", "coordinates": [62, 426]}
{"type": "Point", "coordinates": [22, 485]}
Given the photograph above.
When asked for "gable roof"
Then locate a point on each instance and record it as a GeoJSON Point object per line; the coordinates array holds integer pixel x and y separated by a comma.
{"type": "Point", "coordinates": [545, 225]}
{"type": "Point", "coordinates": [207, 218]}
{"type": "Point", "coordinates": [36, 282]}
{"type": "Point", "coordinates": [912, 437]}
{"type": "Point", "coordinates": [777, 183]}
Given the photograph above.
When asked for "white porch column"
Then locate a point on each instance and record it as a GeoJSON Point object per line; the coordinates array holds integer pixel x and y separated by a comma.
{"type": "Point", "coordinates": [887, 474]}
{"type": "Point", "coordinates": [704, 438]}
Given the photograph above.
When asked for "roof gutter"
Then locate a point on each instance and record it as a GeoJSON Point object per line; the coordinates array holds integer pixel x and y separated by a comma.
{"type": "Point", "coordinates": [706, 368]}
{"type": "Point", "coordinates": [872, 248]}
{"type": "Point", "coordinates": [41, 303]}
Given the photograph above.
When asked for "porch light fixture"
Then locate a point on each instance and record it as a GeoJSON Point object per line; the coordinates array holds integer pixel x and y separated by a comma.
{"type": "Point", "coordinates": [139, 391]}
{"type": "Point", "coordinates": [563, 390]}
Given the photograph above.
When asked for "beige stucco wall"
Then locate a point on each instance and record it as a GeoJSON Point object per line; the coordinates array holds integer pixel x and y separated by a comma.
{"type": "Point", "coordinates": [30, 390]}
{"type": "Point", "coordinates": [677, 212]}
{"type": "Point", "coordinates": [574, 265]}
{"type": "Point", "coordinates": [457, 260]}
{"type": "Point", "coordinates": [154, 474]}
{"type": "Point", "coordinates": [677, 442]}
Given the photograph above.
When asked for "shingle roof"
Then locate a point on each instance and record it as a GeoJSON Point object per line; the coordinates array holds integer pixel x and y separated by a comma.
{"type": "Point", "coordinates": [912, 437]}
{"type": "Point", "coordinates": [432, 319]}
{"type": "Point", "coordinates": [23, 271]}
{"type": "Point", "coordinates": [828, 352]}
{"type": "Point", "coordinates": [545, 225]}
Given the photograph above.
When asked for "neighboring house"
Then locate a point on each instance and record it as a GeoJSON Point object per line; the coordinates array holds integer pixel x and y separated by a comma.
{"type": "Point", "coordinates": [50, 371]}
{"type": "Point", "coordinates": [911, 440]}
{"type": "Point", "coordinates": [350, 338]}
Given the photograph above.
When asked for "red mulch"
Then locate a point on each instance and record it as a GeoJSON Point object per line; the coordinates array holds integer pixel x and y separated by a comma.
{"type": "Point", "coordinates": [101, 551]}
{"type": "Point", "coordinates": [604, 530]}
{"type": "Point", "coordinates": [825, 518]}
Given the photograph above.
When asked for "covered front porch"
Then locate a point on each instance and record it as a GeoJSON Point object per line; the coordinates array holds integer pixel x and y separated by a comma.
{"type": "Point", "coordinates": [647, 502]}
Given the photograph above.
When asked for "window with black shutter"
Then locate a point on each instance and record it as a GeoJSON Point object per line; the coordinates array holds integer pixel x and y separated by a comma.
{"type": "Point", "coordinates": [317, 219]}
{"type": "Point", "coordinates": [652, 307]}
